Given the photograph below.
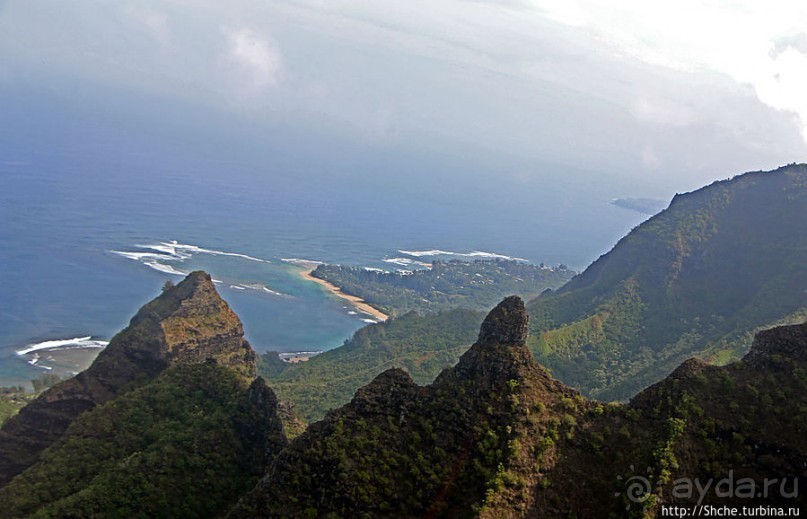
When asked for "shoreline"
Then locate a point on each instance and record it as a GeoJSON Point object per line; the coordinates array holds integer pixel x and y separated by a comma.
{"type": "Point", "coordinates": [65, 362]}
{"type": "Point", "coordinates": [356, 301]}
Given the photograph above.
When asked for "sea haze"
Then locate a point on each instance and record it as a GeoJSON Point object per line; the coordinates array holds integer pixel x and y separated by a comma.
{"type": "Point", "coordinates": [96, 215]}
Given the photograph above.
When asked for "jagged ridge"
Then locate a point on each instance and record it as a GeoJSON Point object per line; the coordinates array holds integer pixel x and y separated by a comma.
{"type": "Point", "coordinates": [186, 444]}
{"type": "Point", "coordinates": [496, 436]}
{"type": "Point", "coordinates": [189, 323]}
{"type": "Point", "coordinates": [697, 279]}
{"type": "Point", "coordinates": [404, 450]}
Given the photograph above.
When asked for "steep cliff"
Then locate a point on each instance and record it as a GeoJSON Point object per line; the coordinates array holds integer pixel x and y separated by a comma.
{"type": "Point", "coordinates": [187, 324]}
{"type": "Point", "coordinates": [186, 444]}
{"type": "Point", "coordinates": [496, 436]}
{"type": "Point", "coordinates": [399, 449]}
{"type": "Point", "coordinates": [698, 279]}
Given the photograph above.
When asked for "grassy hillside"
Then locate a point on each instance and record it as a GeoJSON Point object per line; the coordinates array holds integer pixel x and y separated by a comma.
{"type": "Point", "coordinates": [185, 445]}
{"type": "Point", "coordinates": [12, 399]}
{"type": "Point", "coordinates": [697, 279]}
{"type": "Point", "coordinates": [496, 436]}
{"type": "Point", "coordinates": [423, 346]}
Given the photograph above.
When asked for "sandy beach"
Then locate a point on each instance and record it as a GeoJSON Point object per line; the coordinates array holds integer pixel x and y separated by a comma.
{"type": "Point", "coordinates": [357, 302]}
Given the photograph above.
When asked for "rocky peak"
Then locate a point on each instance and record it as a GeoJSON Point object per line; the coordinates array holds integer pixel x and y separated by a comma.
{"type": "Point", "coordinates": [392, 389]}
{"type": "Point", "coordinates": [186, 324]}
{"type": "Point", "coordinates": [788, 342]}
{"type": "Point", "coordinates": [500, 353]}
{"type": "Point", "coordinates": [505, 324]}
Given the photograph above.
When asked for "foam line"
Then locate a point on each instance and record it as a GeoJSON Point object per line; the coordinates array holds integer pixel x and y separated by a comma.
{"type": "Point", "coordinates": [472, 254]}
{"type": "Point", "coordinates": [76, 342]}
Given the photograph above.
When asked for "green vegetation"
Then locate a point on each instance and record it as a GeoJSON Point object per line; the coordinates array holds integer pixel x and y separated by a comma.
{"type": "Point", "coordinates": [12, 399]}
{"type": "Point", "coordinates": [493, 436]}
{"type": "Point", "coordinates": [270, 365]}
{"type": "Point", "coordinates": [476, 285]}
{"type": "Point", "coordinates": [44, 381]}
{"type": "Point", "coordinates": [399, 449]}
{"type": "Point", "coordinates": [496, 436]}
{"type": "Point", "coordinates": [698, 279]}
{"type": "Point", "coordinates": [185, 445]}
{"type": "Point", "coordinates": [187, 324]}
{"type": "Point", "coordinates": [422, 345]}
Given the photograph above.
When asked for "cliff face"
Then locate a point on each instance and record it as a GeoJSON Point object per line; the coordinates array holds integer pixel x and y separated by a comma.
{"type": "Point", "coordinates": [742, 424]}
{"type": "Point", "coordinates": [187, 324]}
{"type": "Point", "coordinates": [700, 278]}
{"type": "Point", "coordinates": [403, 450]}
{"type": "Point", "coordinates": [496, 436]}
{"type": "Point", "coordinates": [186, 444]}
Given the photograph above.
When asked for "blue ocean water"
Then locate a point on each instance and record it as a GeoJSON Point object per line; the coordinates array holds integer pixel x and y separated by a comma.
{"type": "Point", "coordinates": [80, 206]}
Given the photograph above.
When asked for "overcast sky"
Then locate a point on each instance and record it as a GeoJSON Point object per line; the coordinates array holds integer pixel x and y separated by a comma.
{"type": "Point", "coordinates": [673, 94]}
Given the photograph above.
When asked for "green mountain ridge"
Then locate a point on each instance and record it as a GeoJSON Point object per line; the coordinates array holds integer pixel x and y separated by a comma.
{"type": "Point", "coordinates": [421, 346]}
{"type": "Point", "coordinates": [171, 420]}
{"type": "Point", "coordinates": [497, 436]}
{"type": "Point", "coordinates": [403, 450]}
{"type": "Point", "coordinates": [186, 444]}
{"type": "Point", "coordinates": [187, 324]}
{"type": "Point", "coordinates": [700, 278]}
{"type": "Point", "coordinates": [697, 279]}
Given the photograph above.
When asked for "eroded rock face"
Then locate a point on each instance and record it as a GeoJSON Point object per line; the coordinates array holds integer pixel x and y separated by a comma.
{"type": "Point", "coordinates": [403, 450]}
{"type": "Point", "coordinates": [783, 342]}
{"type": "Point", "coordinates": [187, 324]}
{"type": "Point", "coordinates": [505, 324]}
{"type": "Point", "coordinates": [500, 353]}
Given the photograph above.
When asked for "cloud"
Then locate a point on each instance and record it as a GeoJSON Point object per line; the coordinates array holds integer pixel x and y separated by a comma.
{"type": "Point", "coordinates": [758, 44]}
{"type": "Point", "coordinates": [662, 112]}
{"type": "Point", "coordinates": [255, 56]}
{"type": "Point", "coordinates": [703, 86]}
{"type": "Point", "coordinates": [784, 84]}
{"type": "Point", "coordinates": [154, 22]}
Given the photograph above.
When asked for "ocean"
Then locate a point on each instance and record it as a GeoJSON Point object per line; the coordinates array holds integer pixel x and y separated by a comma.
{"type": "Point", "coordinates": [91, 227]}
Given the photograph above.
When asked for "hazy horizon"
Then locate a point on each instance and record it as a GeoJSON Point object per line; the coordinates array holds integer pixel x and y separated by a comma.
{"type": "Point", "coordinates": [345, 131]}
{"type": "Point", "coordinates": [665, 99]}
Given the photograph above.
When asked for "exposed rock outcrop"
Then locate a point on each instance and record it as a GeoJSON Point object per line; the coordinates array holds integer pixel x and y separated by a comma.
{"type": "Point", "coordinates": [187, 324]}
{"type": "Point", "coordinates": [498, 436]}
{"type": "Point", "coordinates": [409, 451]}
{"type": "Point", "coordinates": [774, 345]}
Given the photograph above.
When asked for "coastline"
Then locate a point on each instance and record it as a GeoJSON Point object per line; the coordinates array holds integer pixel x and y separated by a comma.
{"type": "Point", "coordinates": [360, 304]}
{"type": "Point", "coordinates": [64, 362]}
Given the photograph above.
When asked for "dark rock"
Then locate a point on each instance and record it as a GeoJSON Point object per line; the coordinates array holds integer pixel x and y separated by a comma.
{"type": "Point", "coordinates": [187, 324]}
{"type": "Point", "coordinates": [505, 324]}
{"type": "Point", "coordinates": [784, 341]}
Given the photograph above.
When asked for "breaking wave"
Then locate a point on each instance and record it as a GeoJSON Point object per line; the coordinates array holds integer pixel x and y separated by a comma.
{"type": "Point", "coordinates": [258, 287]}
{"type": "Point", "coordinates": [76, 342]}
{"type": "Point", "coordinates": [472, 254]}
{"type": "Point", "coordinates": [173, 251]}
{"type": "Point", "coordinates": [406, 262]}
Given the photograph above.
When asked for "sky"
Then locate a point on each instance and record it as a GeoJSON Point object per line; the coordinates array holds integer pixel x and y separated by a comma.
{"type": "Point", "coordinates": [667, 96]}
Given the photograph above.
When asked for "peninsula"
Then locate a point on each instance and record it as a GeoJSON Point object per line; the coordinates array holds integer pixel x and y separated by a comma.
{"type": "Point", "coordinates": [359, 303]}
